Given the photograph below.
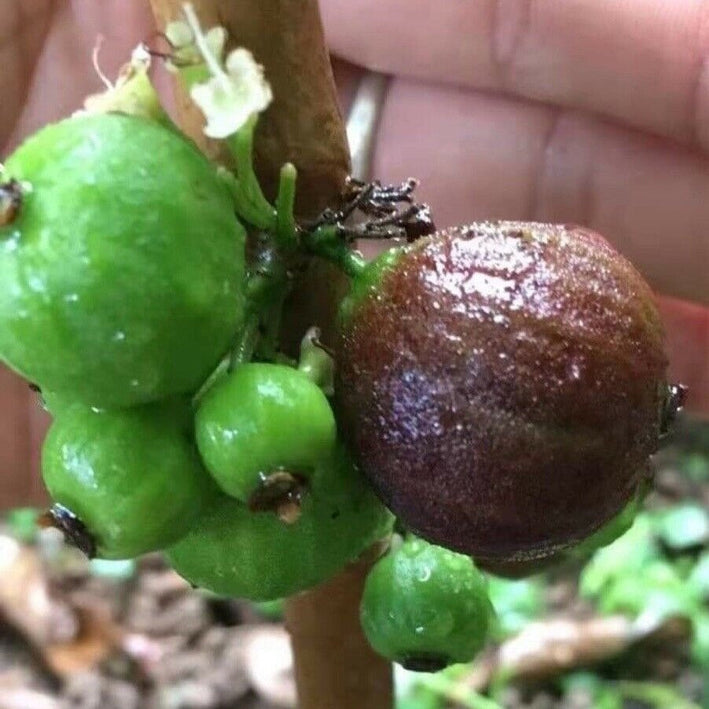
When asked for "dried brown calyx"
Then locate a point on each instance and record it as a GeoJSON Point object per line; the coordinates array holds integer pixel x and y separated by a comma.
{"type": "Point", "coordinates": [73, 529]}
{"type": "Point", "coordinates": [10, 202]}
{"type": "Point", "coordinates": [282, 493]}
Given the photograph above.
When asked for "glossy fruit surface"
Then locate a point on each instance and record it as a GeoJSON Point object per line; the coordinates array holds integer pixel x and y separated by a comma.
{"type": "Point", "coordinates": [238, 553]}
{"type": "Point", "coordinates": [132, 478]}
{"type": "Point", "coordinates": [260, 419]}
{"type": "Point", "coordinates": [425, 607]}
{"type": "Point", "coordinates": [121, 274]}
{"type": "Point", "coordinates": [53, 403]}
{"type": "Point", "coordinates": [611, 530]}
{"type": "Point", "coordinates": [501, 384]}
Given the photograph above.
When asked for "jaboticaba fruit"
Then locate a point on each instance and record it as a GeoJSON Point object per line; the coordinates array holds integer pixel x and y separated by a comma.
{"type": "Point", "coordinates": [425, 607]}
{"type": "Point", "coordinates": [233, 551]}
{"type": "Point", "coordinates": [121, 262]}
{"type": "Point", "coordinates": [502, 385]}
{"type": "Point", "coordinates": [125, 482]}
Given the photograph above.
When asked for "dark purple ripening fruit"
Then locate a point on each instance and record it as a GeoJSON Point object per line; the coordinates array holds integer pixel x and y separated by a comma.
{"type": "Point", "coordinates": [502, 385]}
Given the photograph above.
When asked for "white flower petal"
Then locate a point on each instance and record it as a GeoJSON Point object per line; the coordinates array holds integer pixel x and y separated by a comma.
{"type": "Point", "coordinates": [229, 100]}
{"type": "Point", "coordinates": [179, 34]}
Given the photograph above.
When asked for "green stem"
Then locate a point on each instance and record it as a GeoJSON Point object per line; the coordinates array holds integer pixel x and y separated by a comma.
{"type": "Point", "coordinates": [286, 228]}
{"type": "Point", "coordinates": [242, 351]}
{"type": "Point", "coordinates": [246, 344]}
{"type": "Point", "coordinates": [316, 363]}
{"type": "Point", "coordinates": [267, 290]}
{"type": "Point", "coordinates": [270, 329]}
{"type": "Point", "coordinates": [252, 205]}
{"type": "Point", "coordinates": [326, 243]}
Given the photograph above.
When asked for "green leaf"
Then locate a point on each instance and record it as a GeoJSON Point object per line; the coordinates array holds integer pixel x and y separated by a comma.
{"type": "Point", "coordinates": [627, 556]}
{"type": "Point", "coordinates": [658, 591]}
{"type": "Point", "coordinates": [516, 603]}
{"type": "Point", "coordinates": [592, 690]}
{"type": "Point", "coordinates": [421, 699]}
{"type": "Point", "coordinates": [699, 577]}
{"type": "Point", "coordinates": [684, 526]}
{"type": "Point", "coordinates": [700, 640]}
{"type": "Point", "coordinates": [456, 693]}
{"type": "Point", "coordinates": [23, 523]}
{"type": "Point", "coordinates": [696, 467]}
{"type": "Point", "coordinates": [661, 696]}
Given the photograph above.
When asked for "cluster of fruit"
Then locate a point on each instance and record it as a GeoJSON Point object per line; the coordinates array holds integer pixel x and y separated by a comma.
{"type": "Point", "coordinates": [133, 281]}
{"type": "Point", "coordinates": [123, 286]}
{"type": "Point", "coordinates": [499, 386]}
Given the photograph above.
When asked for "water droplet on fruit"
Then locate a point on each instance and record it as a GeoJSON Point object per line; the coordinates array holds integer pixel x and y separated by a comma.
{"type": "Point", "coordinates": [36, 284]}
{"type": "Point", "coordinates": [424, 574]}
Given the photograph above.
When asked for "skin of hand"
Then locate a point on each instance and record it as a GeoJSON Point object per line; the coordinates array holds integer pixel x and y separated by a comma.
{"type": "Point", "coordinates": [586, 111]}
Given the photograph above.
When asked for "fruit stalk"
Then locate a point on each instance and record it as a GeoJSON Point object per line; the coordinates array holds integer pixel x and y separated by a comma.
{"type": "Point", "coordinates": [335, 667]}
{"type": "Point", "coordinates": [334, 664]}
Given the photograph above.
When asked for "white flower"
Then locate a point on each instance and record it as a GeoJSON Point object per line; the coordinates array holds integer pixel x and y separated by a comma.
{"type": "Point", "coordinates": [234, 91]}
{"type": "Point", "coordinates": [230, 98]}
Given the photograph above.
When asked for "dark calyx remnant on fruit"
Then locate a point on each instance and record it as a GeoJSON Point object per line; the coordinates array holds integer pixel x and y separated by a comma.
{"type": "Point", "coordinates": [10, 202]}
{"type": "Point", "coordinates": [424, 662]}
{"type": "Point", "coordinates": [73, 529]}
{"type": "Point", "coordinates": [282, 493]}
{"type": "Point", "coordinates": [501, 384]}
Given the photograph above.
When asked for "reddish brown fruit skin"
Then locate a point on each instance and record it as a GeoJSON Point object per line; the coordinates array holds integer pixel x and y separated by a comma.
{"type": "Point", "coordinates": [502, 387]}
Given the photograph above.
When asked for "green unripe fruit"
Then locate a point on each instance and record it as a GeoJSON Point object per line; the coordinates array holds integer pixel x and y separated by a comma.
{"type": "Point", "coordinates": [121, 263]}
{"type": "Point", "coordinates": [235, 552]}
{"type": "Point", "coordinates": [425, 607]}
{"type": "Point", "coordinates": [125, 482]}
{"type": "Point", "coordinates": [53, 403]}
{"type": "Point", "coordinates": [259, 420]}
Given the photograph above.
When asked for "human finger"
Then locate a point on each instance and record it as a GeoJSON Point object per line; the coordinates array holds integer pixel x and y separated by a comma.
{"type": "Point", "coordinates": [23, 28]}
{"type": "Point", "coordinates": [64, 73]}
{"type": "Point", "coordinates": [638, 62]}
{"type": "Point", "coordinates": [687, 328]}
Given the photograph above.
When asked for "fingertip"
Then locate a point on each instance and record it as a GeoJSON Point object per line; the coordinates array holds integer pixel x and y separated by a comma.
{"type": "Point", "coordinates": [687, 328]}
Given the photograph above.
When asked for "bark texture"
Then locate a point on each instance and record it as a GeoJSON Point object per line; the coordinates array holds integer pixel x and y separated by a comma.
{"type": "Point", "coordinates": [335, 667]}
